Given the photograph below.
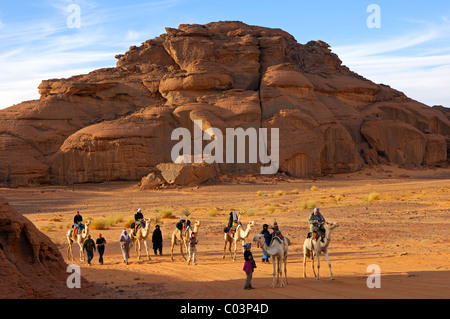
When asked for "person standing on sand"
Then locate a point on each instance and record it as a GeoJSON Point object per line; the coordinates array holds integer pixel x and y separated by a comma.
{"type": "Point", "coordinates": [249, 266]}
{"type": "Point", "coordinates": [101, 242]}
{"type": "Point", "coordinates": [267, 238]}
{"type": "Point", "coordinates": [192, 250]}
{"type": "Point", "coordinates": [157, 240]}
{"type": "Point", "coordinates": [89, 246]}
{"type": "Point", "coordinates": [125, 244]}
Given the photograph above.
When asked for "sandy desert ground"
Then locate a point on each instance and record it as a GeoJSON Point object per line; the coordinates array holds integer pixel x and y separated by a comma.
{"type": "Point", "coordinates": [403, 228]}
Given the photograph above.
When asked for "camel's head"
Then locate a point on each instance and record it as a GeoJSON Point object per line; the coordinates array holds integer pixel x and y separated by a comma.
{"type": "Point", "coordinates": [251, 224]}
{"type": "Point", "coordinates": [259, 239]}
{"type": "Point", "coordinates": [331, 225]}
{"type": "Point", "coordinates": [88, 222]}
{"type": "Point", "coordinates": [196, 226]}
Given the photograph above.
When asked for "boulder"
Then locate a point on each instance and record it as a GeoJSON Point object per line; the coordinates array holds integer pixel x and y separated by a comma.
{"type": "Point", "coordinates": [187, 174]}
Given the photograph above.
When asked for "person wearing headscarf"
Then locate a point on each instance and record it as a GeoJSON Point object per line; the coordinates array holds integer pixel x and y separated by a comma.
{"type": "Point", "coordinates": [138, 220]}
{"type": "Point", "coordinates": [157, 240]}
{"type": "Point", "coordinates": [125, 244]}
{"type": "Point", "coordinates": [267, 238]}
{"type": "Point", "coordinates": [316, 222]}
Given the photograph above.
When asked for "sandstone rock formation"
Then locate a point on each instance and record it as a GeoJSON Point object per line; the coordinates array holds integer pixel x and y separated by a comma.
{"type": "Point", "coordinates": [31, 265]}
{"type": "Point", "coordinates": [116, 123]}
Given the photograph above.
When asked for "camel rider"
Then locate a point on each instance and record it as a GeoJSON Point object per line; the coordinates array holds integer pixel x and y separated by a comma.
{"type": "Point", "coordinates": [233, 218]}
{"type": "Point", "coordinates": [276, 231]}
{"type": "Point", "coordinates": [77, 222]}
{"type": "Point", "coordinates": [183, 222]}
{"type": "Point", "coordinates": [138, 220]}
{"type": "Point", "coordinates": [316, 222]}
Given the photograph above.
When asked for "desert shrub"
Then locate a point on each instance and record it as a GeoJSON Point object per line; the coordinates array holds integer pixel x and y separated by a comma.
{"type": "Point", "coordinates": [372, 197]}
{"type": "Point", "coordinates": [166, 213]}
{"type": "Point", "coordinates": [212, 212]}
{"type": "Point", "coordinates": [314, 188]}
{"type": "Point", "coordinates": [259, 193]}
{"type": "Point", "coordinates": [270, 208]}
{"type": "Point", "coordinates": [99, 224]}
{"type": "Point", "coordinates": [295, 191]}
{"type": "Point", "coordinates": [308, 205]}
{"type": "Point", "coordinates": [48, 227]}
{"type": "Point", "coordinates": [278, 193]}
{"type": "Point", "coordinates": [128, 223]}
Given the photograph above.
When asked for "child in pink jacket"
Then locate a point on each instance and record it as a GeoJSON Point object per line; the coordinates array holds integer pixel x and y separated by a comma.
{"type": "Point", "coordinates": [249, 266]}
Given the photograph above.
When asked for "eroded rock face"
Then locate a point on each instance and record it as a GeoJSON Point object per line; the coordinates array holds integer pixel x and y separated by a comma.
{"type": "Point", "coordinates": [31, 265]}
{"type": "Point", "coordinates": [116, 123]}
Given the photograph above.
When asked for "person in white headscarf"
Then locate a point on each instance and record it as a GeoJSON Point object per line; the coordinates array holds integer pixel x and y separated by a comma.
{"type": "Point", "coordinates": [125, 243]}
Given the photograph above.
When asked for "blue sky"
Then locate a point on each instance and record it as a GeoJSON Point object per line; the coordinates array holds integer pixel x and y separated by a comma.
{"type": "Point", "coordinates": [410, 51]}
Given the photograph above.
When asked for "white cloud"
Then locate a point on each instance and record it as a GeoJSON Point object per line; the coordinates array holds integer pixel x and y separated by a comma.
{"type": "Point", "coordinates": [412, 63]}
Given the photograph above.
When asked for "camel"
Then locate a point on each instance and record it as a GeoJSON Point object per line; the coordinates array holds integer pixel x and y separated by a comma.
{"type": "Point", "coordinates": [176, 236]}
{"type": "Point", "coordinates": [240, 234]}
{"type": "Point", "coordinates": [312, 248]}
{"type": "Point", "coordinates": [80, 240]}
{"type": "Point", "coordinates": [279, 253]}
{"type": "Point", "coordinates": [141, 235]}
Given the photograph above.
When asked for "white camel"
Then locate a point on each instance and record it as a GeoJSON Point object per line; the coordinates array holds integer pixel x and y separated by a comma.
{"type": "Point", "coordinates": [240, 234]}
{"type": "Point", "coordinates": [279, 253]}
{"type": "Point", "coordinates": [176, 237]}
{"type": "Point", "coordinates": [142, 235]}
{"type": "Point", "coordinates": [313, 248]}
{"type": "Point", "coordinates": [81, 237]}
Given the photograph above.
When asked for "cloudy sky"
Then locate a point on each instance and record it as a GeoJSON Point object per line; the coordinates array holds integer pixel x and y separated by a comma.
{"type": "Point", "coordinates": [401, 43]}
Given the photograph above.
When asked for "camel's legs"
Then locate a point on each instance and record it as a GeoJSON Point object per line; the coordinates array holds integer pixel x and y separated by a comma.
{"type": "Point", "coordinates": [137, 247]}
{"type": "Point", "coordinates": [313, 255]}
{"type": "Point", "coordinates": [304, 261]}
{"type": "Point", "coordinates": [181, 249]}
{"type": "Point", "coordinates": [70, 252]}
{"type": "Point", "coordinates": [280, 272]}
{"type": "Point", "coordinates": [274, 263]}
{"type": "Point", "coordinates": [171, 249]}
{"type": "Point", "coordinates": [81, 252]}
{"type": "Point", "coordinates": [225, 248]}
{"type": "Point", "coordinates": [229, 249]}
{"type": "Point", "coordinates": [329, 264]}
{"type": "Point", "coordinates": [318, 265]}
{"type": "Point", "coordinates": [146, 249]}
{"type": "Point", "coordinates": [285, 269]}
{"type": "Point", "coordinates": [235, 248]}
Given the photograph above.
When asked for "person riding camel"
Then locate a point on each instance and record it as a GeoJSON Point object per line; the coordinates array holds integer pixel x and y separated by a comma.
{"type": "Point", "coordinates": [138, 220]}
{"type": "Point", "coordinates": [233, 222]}
{"type": "Point", "coordinates": [183, 225]}
{"type": "Point", "coordinates": [276, 231]}
{"type": "Point", "coordinates": [316, 222]}
{"type": "Point", "coordinates": [78, 226]}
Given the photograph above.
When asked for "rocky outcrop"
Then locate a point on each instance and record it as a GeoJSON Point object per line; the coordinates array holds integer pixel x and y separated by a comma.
{"type": "Point", "coordinates": [31, 265]}
{"type": "Point", "coordinates": [116, 123]}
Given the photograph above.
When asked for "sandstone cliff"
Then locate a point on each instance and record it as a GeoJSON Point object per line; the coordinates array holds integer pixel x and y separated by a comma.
{"type": "Point", "coordinates": [116, 123]}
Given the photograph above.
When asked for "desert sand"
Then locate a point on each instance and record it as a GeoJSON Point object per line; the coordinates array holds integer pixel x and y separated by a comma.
{"type": "Point", "coordinates": [403, 228]}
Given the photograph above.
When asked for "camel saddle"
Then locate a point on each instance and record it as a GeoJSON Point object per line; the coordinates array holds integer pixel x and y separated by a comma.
{"type": "Point", "coordinates": [313, 236]}
{"type": "Point", "coordinates": [234, 227]}
{"type": "Point", "coordinates": [277, 236]}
